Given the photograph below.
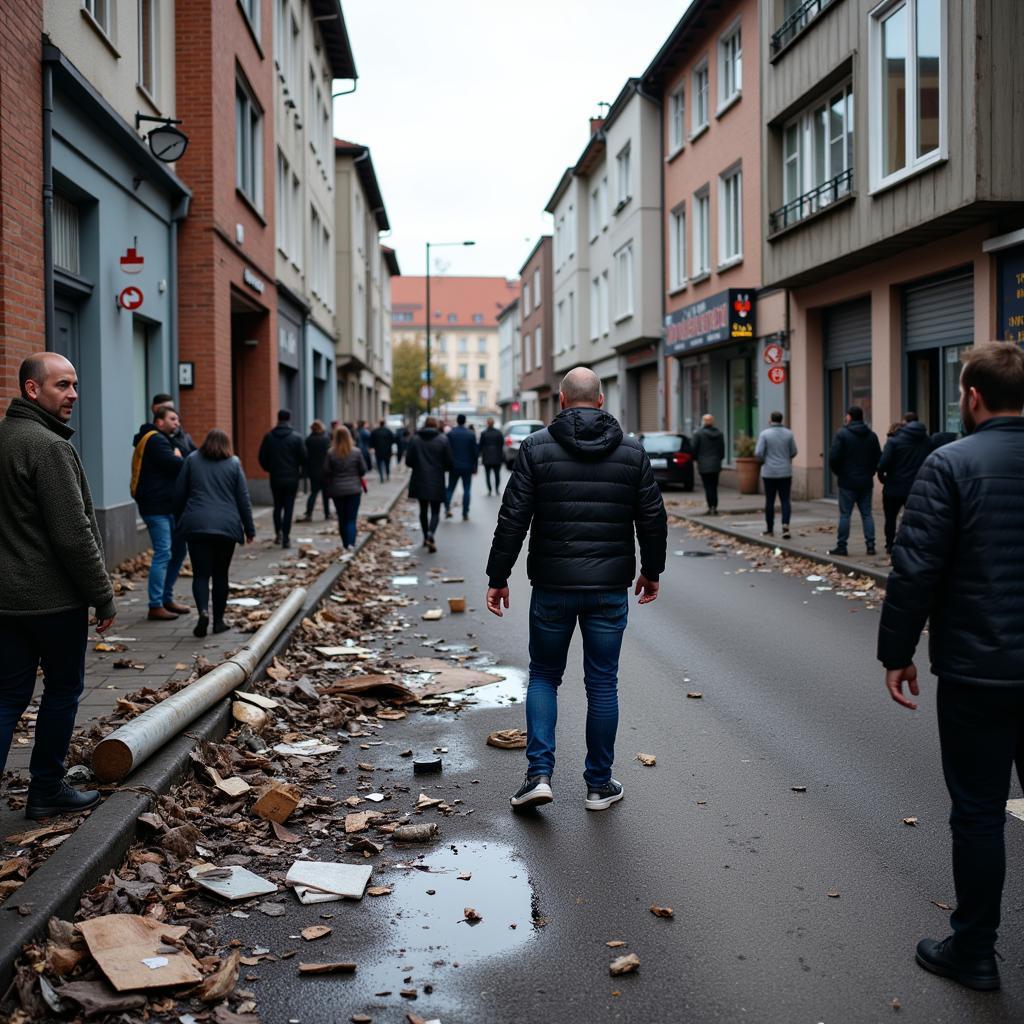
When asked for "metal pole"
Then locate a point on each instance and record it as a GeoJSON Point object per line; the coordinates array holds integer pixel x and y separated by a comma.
{"type": "Point", "coordinates": [429, 395]}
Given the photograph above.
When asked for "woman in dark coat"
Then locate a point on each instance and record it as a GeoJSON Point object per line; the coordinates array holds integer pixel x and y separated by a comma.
{"type": "Point", "coordinates": [430, 459]}
{"type": "Point", "coordinates": [213, 513]}
{"type": "Point", "coordinates": [317, 444]}
{"type": "Point", "coordinates": [344, 469]}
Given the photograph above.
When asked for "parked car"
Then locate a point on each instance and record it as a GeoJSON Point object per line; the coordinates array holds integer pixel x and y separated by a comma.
{"type": "Point", "coordinates": [671, 458]}
{"type": "Point", "coordinates": [515, 431]}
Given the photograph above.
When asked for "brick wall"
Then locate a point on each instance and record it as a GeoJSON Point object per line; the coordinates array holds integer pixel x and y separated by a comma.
{"type": "Point", "coordinates": [22, 329]}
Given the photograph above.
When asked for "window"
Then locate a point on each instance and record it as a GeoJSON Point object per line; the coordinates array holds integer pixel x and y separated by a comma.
{"type": "Point", "coordinates": [295, 218]}
{"type": "Point", "coordinates": [100, 12]}
{"type": "Point", "coordinates": [730, 217]}
{"type": "Point", "coordinates": [147, 46]}
{"type": "Point", "coordinates": [453, 318]}
{"type": "Point", "coordinates": [730, 67]}
{"type": "Point", "coordinates": [536, 287]}
{"type": "Point", "coordinates": [606, 302]}
{"type": "Point", "coordinates": [403, 317]}
{"type": "Point", "coordinates": [624, 180]}
{"type": "Point", "coordinates": [442, 343]}
{"type": "Point", "coordinates": [560, 326]}
{"type": "Point", "coordinates": [66, 246]}
{"type": "Point", "coordinates": [595, 308]}
{"type": "Point", "coordinates": [538, 352]}
{"type": "Point", "coordinates": [701, 97]}
{"type": "Point", "coordinates": [252, 14]}
{"type": "Point", "coordinates": [463, 397]}
{"type": "Point", "coordinates": [527, 352]}
{"type": "Point", "coordinates": [624, 282]}
{"type": "Point", "coordinates": [677, 248]}
{"type": "Point", "coordinates": [321, 278]}
{"type": "Point", "coordinates": [463, 371]}
{"type": "Point", "coordinates": [908, 79]}
{"type": "Point", "coordinates": [570, 249]}
{"type": "Point", "coordinates": [478, 318]}
{"type": "Point", "coordinates": [677, 120]}
{"type": "Point", "coordinates": [282, 203]}
{"type": "Point", "coordinates": [595, 212]}
{"type": "Point", "coordinates": [481, 398]}
{"type": "Point", "coordinates": [481, 346]}
{"type": "Point", "coordinates": [604, 201]}
{"type": "Point", "coordinates": [248, 146]}
{"type": "Point", "coordinates": [481, 371]}
{"type": "Point", "coordinates": [463, 346]}
{"type": "Point", "coordinates": [526, 298]}
{"type": "Point", "coordinates": [570, 313]}
{"type": "Point", "coordinates": [701, 232]}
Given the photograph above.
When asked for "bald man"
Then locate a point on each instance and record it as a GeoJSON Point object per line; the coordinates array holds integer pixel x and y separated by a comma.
{"type": "Point", "coordinates": [580, 488]}
{"type": "Point", "coordinates": [51, 573]}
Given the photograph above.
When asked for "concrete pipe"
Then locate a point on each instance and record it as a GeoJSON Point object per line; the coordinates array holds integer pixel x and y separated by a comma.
{"type": "Point", "coordinates": [126, 748]}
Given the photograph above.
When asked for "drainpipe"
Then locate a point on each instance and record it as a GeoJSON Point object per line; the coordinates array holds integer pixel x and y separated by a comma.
{"type": "Point", "coordinates": [48, 298]}
{"type": "Point", "coordinates": [179, 214]}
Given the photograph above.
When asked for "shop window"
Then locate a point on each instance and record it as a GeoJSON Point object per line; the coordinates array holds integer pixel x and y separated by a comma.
{"type": "Point", "coordinates": [742, 390]}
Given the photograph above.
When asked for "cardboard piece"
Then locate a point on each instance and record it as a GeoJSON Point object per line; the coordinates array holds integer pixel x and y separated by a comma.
{"type": "Point", "coordinates": [447, 677]}
{"type": "Point", "coordinates": [456, 604]}
{"type": "Point", "coordinates": [231, 883]}
{"type": "Point", "coordinates": [278, 802]}
{"type": "Point", "coordinates": [324, 881]}
{"type": "Point", "coordinates": [306, 748]}
{"type": "Point", "coordinates": [120, 942]}
{"type": "Point", "coordinates": [378, 685]}
{"type": "Point", "coordinates": [342, 652]}
{"type": "Point", "coordinates": [258, 699]}
{"type": "Point", "coordinates": [232, 787]}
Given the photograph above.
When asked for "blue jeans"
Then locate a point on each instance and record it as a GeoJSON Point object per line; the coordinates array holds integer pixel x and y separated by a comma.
{"type": "Point", "coordinates": [384, 467]}
{"type": "Point", "coordinates": [168, 554]}
{"type": "Point", "coordinates": [348, 513]}
{"type": "Point", "coordinates": [57, 642]}
{"type": "Point", "coordinates": [602, 617]}
{"type": "Point", "coordinates": [466, 476]}
{"type": "Point", "coordinates": [862, 499]}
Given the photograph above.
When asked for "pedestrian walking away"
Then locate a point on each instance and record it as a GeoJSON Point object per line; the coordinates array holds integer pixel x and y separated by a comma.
{"type": "Point", "coordinates": [283, 456]}
{"type": "Point", "coordinates": [344, 470]}
{"type": "Point", "coordinates": [382, 441]}
{"type": "Point", "coordinates": [156, 463]}
{"type": "Point", "coordinates": [775, 450]}
{"type": "Point", "coordinates": [402, 443]}
{"type": "Point", "coordinates": [903, 455]}
{"type": "Point", "coordinates": [51, 573]}
{"type": "Point", "coordinates": [317, 443]}
{"type": "Point", "coordinates": [213, 513]}
{"type": "Point", "coordinates": [492, 455]}
{"type": "Point", "coordinates": [958, 562]}
{"type": "Point", "coordinates": [853, 458]}
{"type": "Point", "coordinates": [181, 438]}
{"type": "Point", "coordinates": [361, 438]}
{"type": "Point", "coordinates": [580, 488]}
{"type": "Point", "coordinates": [429, 457]}
{"type": "Point", "coordinates": [465, 454]}
{"type": "Point", "coordinates": [709, 453]}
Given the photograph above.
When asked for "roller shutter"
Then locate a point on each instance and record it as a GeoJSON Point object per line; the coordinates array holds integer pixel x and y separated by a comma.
{"type": "Point", "coordinates": [847, 333]}
{"type": "Point", "coordinates": [939, 313]}
{"type": "Point", "coordinates": [647, 397]}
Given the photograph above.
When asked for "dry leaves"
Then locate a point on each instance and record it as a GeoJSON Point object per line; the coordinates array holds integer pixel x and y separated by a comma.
{"type": "Point", "coordinates": [647, 760]}
{"type": "Point", "coordinates": [662, 911]}
{"type": "Point", "coordinates": [624, 964]}
{"type": "Point", "coordinates": [316, 931]}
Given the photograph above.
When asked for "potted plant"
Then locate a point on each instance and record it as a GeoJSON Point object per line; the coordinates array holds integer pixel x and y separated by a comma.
{"type": "Point", "coordinates": [748, 469]}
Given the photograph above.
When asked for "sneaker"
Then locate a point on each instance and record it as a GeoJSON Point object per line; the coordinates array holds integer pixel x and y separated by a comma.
{"type": "Point", "coordinates": [786, 535]}
{"type": "Point", "coordinates": [842, 552]}
{"type": "Point", "coordinates": [978, 971]}
{"type": "Point", "coordinates": [534, 791]}
{"type": "Point", "coordinates": [601, 798]}
{"type": "Point", "coordinates": [64, 801]}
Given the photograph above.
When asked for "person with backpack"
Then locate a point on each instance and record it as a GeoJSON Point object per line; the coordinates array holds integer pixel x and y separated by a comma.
{"type": "Point", "coordinates": [344, 469]}
{"type": "Point", "coordinates": [283, 456]}
{"type": "Point", "coordinates": [853, 458]}
{"type": "Point", "coordinates": [156, 463]}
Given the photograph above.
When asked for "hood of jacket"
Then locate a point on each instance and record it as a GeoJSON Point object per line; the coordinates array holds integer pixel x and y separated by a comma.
{"type": "Point", "coordinates": [428, 433]}
{"type": "Point", "coordinates": [586, 433]}
{"type": "Point", "coordinates": [142, 431]}
{"type": "Point", "coordinates": [282, 430]}
{"type": "Point", "coordinates": [858, 427]}
{"type": "Point", "coordinates": [23, 409]}
{"type": "Point", "coordinates": [915, 432]}
{"type": "Point", "coordinates": [711, 431]}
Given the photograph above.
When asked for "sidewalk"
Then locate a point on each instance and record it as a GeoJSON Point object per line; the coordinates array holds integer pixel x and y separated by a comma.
{"type": "Point", "coordinates": [813, 526]}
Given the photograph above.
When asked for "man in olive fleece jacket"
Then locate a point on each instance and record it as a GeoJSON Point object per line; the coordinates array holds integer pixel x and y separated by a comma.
{"type": "Point", "coordinates": [51, 573]}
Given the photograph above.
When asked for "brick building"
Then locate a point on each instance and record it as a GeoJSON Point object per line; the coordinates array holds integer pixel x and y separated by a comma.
{"type": "Point", "coordinates": [538, 393]}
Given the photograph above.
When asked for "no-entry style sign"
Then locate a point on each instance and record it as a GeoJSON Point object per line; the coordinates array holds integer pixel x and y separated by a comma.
{"type": "Point", "coordinates": [773, 353]}
{"type": "Point", "coordinates": [130, 297]}
{"type": "Point", "coordinates": [777, 375]}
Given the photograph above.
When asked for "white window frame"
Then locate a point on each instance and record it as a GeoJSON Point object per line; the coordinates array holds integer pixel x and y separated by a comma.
{"type": "Point", "coordinates": [570, 238]}
{"type": "Point", "coordinates": [296, 222]}
{"type": "Point", "coordinates": [606, 305]}
{"type": "Point", "coordinates": [730, 242]}
{"type": "Point", "coordinates": [462, 344]}
{"type": "Point", "coordinates": [595, 308]}
{"type": "Point", "coordinates": [677, 248]}
{"type": "Point", "coordinates": [526, 297]}
{"type": "Point", "coordinates": [527, 352]}
{"type": "Point", "coordinates": [464, 371]}
{"type": "Point", "coordinates": [878, 180]}
{"type": "Point", "coordinates": [677, 120]}
{"type": "Point", "coordinates": [251, 10]}
{"type": "Point", "coordinates": [624, 282]}
{"type": "Point", "coordinates": [595, 213]}
{"type": "Point", "coordinates": [248, 145]}
{"type": "Point", "coordinates": [282, 203]}
{"type": "Point", "coordinates": [624, 175]}
{"type": "Point", "coordinates": [537, 291]}
{"type": "Point", "coordinates": [316, 269]}
{"type": "Point", "coordinates": [538, 348]}
{"type": "Point", "coordinates": [560, 326]}
{"type": "Point", "coordinates": [149, 10]}
{"type": "Point", "coordinates": [700, 99]}
{"type": "Point", "coordinates": [604, 201]}
{"type": "Point", "coordinates": [481, 346]}
{"type": "Point", "coordinates": [100, 14]}
{"type": "Point", "coordinates": [730, 60]}
{"type": "Point", "coordinates": [701, 254]}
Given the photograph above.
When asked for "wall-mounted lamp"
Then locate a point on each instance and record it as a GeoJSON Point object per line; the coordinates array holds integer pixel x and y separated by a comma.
{"type": "Point", "coordinates": [166, 142]}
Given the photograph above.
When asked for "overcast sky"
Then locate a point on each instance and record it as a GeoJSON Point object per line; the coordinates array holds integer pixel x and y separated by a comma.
{"type": "Point", "coordinates": [472, 110]}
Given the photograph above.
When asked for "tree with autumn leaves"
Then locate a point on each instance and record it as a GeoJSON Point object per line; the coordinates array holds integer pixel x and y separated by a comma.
{"type": "Point", "coordinates": [408, 364]}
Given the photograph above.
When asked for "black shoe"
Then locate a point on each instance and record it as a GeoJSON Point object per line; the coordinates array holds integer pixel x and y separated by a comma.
{"type": "Point", "coordinates": [786, 535]}
{"type": "Point", "coordinates": [431, 546]}
{"type": "Point", "coordinates": [842, 552]}
{"type": "Point", "coordinates": [600, 799]}
{"type": "Point", "coordinates": [871, 549]}
{"type": "Point", "coordinates": [220, 626]}
{"type": "Point", "coordinates": [767, 533]}
{"type": "Point", "coordinates": [201, 626]}
{"type": "Point", "coordinates": [286, 542]}
{"type": "Point", "coordinates": [447, 513]}
{"type": "Point", "coordinates": [488, 494]}
{"type": "Point", "coordinates": [307, 518]}
{"type": "Point", "coordinates": [973, 970]}
{"type": "Point", "coordinates": [465, 516]}
{"type": "Point", "coordinates": [64, 801]}
{"type": "Point", "coordinates": [536, 790]}
{"type": "Point", "coordinates": [277, 537]}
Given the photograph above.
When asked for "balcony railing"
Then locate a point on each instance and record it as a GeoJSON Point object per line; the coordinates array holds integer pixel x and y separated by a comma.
{"type": "Point", "coordinates": [819, 198]}
{"type": "Point", "coordinates": [797, 22]}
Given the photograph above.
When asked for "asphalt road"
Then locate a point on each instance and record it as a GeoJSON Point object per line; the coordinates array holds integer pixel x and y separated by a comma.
{"type": "Point", "coordinates": [792, 697]}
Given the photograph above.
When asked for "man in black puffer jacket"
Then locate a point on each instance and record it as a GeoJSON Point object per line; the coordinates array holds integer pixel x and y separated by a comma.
{"type": "Point", "coordinates": [903, 455]}
{"type": "Point", "coordinates": [283, 456]}
{"type": "Point", "coordinates": [854, 459]}
{"type": "Point", "coordinates": [585, 488]}
{"type": "Point", "coordinates": [958, 562]}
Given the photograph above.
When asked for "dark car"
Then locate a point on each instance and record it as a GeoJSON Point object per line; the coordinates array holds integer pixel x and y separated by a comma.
{"type": "Point", "coordinates": [671, 458]}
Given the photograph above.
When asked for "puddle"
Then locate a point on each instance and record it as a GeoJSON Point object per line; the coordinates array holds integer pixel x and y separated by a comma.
{"type": "Point", "coordinates": [511, 690]}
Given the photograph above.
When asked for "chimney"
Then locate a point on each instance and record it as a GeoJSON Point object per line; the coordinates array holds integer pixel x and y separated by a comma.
{"type": "Point", "coordinates": [596, 124]}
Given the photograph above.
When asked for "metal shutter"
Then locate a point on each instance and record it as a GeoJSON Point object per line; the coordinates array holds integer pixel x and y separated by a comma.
{"type": "Point", "coordinates": [847, 333]}
{"type": "Point", "coordinates": [939, 313]}
{"type": "Point", "coordinates": [647, 398]}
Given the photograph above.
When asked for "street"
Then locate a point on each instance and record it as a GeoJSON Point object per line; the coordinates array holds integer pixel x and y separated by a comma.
{"type": "Point", "coordinates": [789, 905]}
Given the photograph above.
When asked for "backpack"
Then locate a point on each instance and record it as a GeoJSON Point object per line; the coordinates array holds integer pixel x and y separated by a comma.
{"type": "Point", "coordinates": [140, 449]}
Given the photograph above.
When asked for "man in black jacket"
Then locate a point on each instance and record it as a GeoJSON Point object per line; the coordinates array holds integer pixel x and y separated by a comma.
{"type": "Point", "coordinates": [903, 455]}
{"type": "Point", "coordinates": [709, 453]}
{"type": "Point", "coordinates": [958, 562]}
{"type": "Point", "coordinates": [854, 459]}
{"type": "Point", "coordinates": [382, 441]}
{"type": "Point", "coordinates": [283, 456]}
{"type": "Point", "coordinates": [584, 487]}
{"type": "Point", "coordinates": [492, 454]}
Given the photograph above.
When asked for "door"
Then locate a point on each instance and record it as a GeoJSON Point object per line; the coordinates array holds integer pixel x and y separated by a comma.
{"type": "Point", "coordinates": [66, 342]}
{"type": "Point", "coordinates": [846, 333]}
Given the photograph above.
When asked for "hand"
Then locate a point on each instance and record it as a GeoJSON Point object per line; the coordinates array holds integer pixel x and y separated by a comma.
{"type": "Point", "coordinates": [894, 679]}
{"type": "Point", "coordinates": [496, 597]}
{"type": "Point", "coordinates": [649, 588]}
{"type": "Point", "coordinates": [102, 625]}
{"type": "Point", "coordinates": [177, 452]}
{"type": "Point", "coordinates": [250, 539]}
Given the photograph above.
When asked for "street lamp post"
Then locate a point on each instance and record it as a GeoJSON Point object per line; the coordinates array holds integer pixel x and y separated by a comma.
{"type": "Point", "coordinates": [436, 245]}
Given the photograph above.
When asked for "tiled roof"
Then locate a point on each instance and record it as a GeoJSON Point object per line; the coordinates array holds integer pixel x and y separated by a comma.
{"type": "Point", "coordinates": [457, 301]}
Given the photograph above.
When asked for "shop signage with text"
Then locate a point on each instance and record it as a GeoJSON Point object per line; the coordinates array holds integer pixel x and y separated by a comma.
{"type": "Point", "coordinates": [1011, 295]}
{"type": "Point", "coordinates": [727, 316]}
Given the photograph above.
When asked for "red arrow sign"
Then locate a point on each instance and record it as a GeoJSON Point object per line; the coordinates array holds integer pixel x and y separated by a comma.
{"type": "Point", "coordinates": [130, 297]}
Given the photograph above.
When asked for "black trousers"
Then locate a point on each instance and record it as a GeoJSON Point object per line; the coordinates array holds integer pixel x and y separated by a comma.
{"type": "Point", "coordinates": [710, 482]}
{"type": "Point", "coordinates": [891, 505]}
{"type": "Point", "coordinates": [211, 559]}
{"type": "Point", "coordinates": [429, 526]}
{"type": "Point", "coordinates": [316, 486]}
{"type": "Point", "coordinates": [779, 486]}
{"type": "Point", "coordinates": [284, 505]}
{"type": "Point", "coordinates": [496, 470]}
{"type": "Point", "coordinates": [981, 731]}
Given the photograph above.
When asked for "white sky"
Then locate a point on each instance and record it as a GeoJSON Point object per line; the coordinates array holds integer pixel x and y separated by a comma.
{"type": "Point", "coordinates": [472, 110]}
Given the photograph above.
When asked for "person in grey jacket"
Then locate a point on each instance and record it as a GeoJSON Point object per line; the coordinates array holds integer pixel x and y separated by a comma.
{"type": "Point", "coordinates": [213, 513]}
{"type": "Point", "coordinates": [344, 470]}
{"type": "Point", "coordinates": [51, 573]}
{"type": "Point", "coordinates": [776, 449]}
{"type": "Point", "coordinates": [709, 454]}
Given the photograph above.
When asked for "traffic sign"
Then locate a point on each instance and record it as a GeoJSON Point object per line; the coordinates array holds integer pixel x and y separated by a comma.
{"type": "Point", "coordinates": [130, 297]}
{"type": "Point", "coordinates": [426, 393]}
{"type": "Point", "coordinates": [773, 353]}
{"type": "Point", "coordinates": [777, 375]}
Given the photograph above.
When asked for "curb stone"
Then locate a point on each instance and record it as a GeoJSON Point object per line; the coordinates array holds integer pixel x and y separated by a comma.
{"type": "Point", "coordinates": [101, 841]}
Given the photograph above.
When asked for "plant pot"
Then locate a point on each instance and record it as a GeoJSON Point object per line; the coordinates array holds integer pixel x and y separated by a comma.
{"type": "Point", "coordinates": [747, 472]}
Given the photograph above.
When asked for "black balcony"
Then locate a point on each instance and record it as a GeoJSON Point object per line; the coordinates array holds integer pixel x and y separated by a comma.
{"type": "Point", "coordinates": [796, 23]}
{"type": "Point", "coordinates": [818, 199]}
